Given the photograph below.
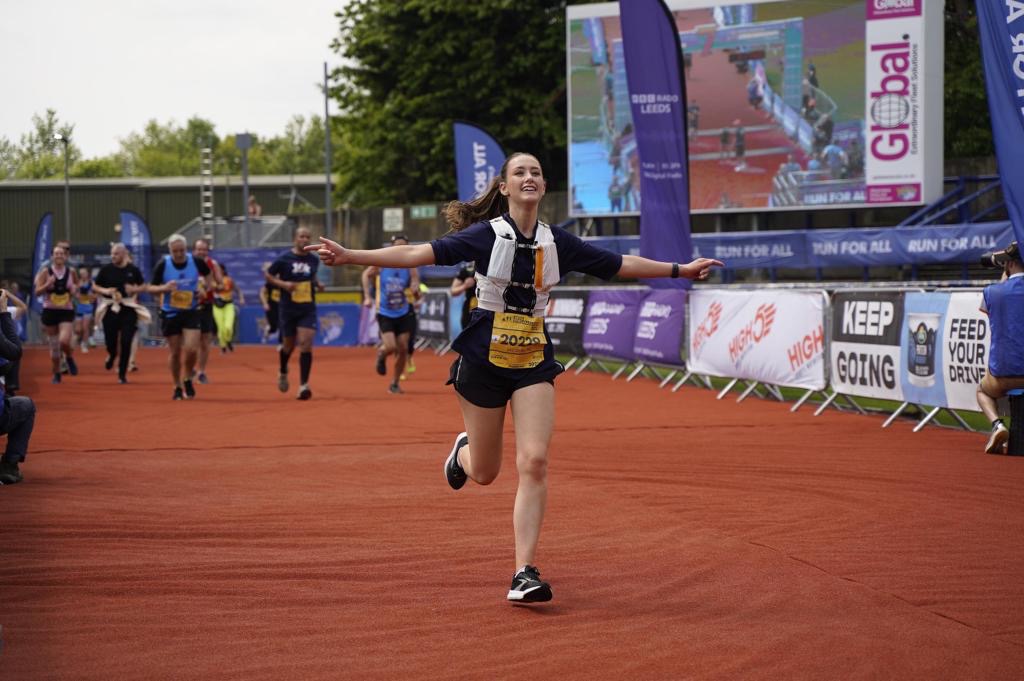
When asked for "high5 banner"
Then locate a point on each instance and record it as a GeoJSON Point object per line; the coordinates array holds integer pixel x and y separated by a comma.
{"type": "Point", "coordinates": [775, 337]}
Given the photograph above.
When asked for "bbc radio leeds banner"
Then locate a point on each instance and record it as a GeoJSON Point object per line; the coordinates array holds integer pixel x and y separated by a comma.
{"type": "Point", "coordinates": [864, 351]}
{"type": "Point", "coordinates": [775, 337]}
{"type": "Point", "coordinates": [136, 236]}
{"type": "Point", "coordinates": [657, 99]}
{"type": "Point", "coordinates": [432, 320]}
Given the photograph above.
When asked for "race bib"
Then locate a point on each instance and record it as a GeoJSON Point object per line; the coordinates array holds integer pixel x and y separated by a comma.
{"type": "Point", "coordinates": [83, 298]}
{"type": "Point", "coordinates": [181, 300]}
{"type": "Point", "coordinates": [303, 292]}
{"type": "Point", "coordinates": [275, 295]}
{"type": "Point", "coordinates": [517, 341]}
{"type": "Point", "coordinates": [60, 299]}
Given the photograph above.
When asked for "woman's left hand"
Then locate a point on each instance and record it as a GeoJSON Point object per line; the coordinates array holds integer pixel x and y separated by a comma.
{"type": "Point", "coordinates": [700, 268]}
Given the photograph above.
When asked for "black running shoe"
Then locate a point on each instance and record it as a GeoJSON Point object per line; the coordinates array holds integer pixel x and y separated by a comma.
{"type": "Point", "coordinates": [527, 587]}
{"type": "Point", "coordinates": [9, 473]}
{"type": "Point", "coordinates": [395, 389]}
{"type": "Point", "coordinates": [72, 367]}
{"type": "Point", "coordinates": [454, 473]}
{"type": "Point", "coordinates": [55, 379]}
{"type": "Point", "coordinates": [122, 380]}
{"type": "Point", "coordinates": [304, 392]}
{"type": "Point", "coordinates": [382, 366]}
{"type": "Point", "coordinates": [282, 382]}
{"type": "Point", "coordinates": [178, 394]}
{"type": "Point", "coordinates": [190, 391]}
{"type": "Point", "coordinates": [109, 364]}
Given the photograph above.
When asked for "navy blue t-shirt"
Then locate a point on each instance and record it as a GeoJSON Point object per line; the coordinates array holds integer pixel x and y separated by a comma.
{"type": "Point", "coordinates": [475, 243]}
{"type": "Point", "coordinates": [298, 268]}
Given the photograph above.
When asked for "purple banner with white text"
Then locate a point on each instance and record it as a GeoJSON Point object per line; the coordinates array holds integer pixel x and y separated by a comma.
{"type": "Point", "coordinates": [610, 324]}
{"type": "Point", "coordinates": [659, 327]}
{"type": "Point", "coordinates": [657, 96]}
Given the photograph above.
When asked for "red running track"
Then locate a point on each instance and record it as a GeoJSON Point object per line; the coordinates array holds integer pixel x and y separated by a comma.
{"type": "Point", "coordinates": [246, 535]}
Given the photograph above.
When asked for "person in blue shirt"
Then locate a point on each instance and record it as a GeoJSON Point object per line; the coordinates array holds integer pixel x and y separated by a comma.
{"type": "Point", "coordinates": [396, 316]}
{"type": "Point", "coordinates": [294, 273]}
{"type": "Point", "coordinates": [1004, 305]}
{"type": "Point", "coordinates": [505, 352]}
{"type": "Point", "coordinates": [177, 278]}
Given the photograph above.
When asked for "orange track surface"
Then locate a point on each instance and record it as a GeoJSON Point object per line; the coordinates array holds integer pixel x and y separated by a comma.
{"type": "Point", "coordinates": [246, 535]}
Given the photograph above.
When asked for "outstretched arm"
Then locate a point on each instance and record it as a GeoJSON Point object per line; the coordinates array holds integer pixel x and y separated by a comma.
{"type": "Point", "coordinates": [334, 254]}
{"type": "Point", "coordinates": [635, 267]}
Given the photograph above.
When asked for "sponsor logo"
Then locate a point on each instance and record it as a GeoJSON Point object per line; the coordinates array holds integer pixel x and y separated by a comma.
{"type": "Point", "coordinates": [867, 317]}
{"type": "Point", "coordinates": [653, 309]}
{"type": "Point", "coordinates": [807, 348]}
{"type": "Point", "coordinates": [564, 307]}
{"type": "Point", "coordinates": [888, 9]}
{"type": "Point", "coordinates": [482, 172]}
{"type": "Point", "coordinates": [753, 333]}
{"type": "Point", "coordinates": [966, 345]}
{"type": "Point", "coordinates": [653, 103]}
{"type": "Point", "coordinates": [603, 308]}
{"type": "Point", "coordinates": [890, 101]}
{"type": "Point", "coordinates": [301, 268]}
{"type": "Point", "coordinates": [707, 326]}
{"type": "Point", "coordinates": [647, 330]}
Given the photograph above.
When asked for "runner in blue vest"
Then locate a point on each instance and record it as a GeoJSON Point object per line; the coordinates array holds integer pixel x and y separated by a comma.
{"type": "Point", "coordinates": [176, 278]}
{"type": "Point", "coordinates": [396, 316]}
{"type": "Point", "coordinates": [506, 355]}
{"type": "Point", "coordinates": [1004, 305]}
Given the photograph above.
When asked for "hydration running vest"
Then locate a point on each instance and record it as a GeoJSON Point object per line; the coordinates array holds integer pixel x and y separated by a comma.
{"type": "Point", "coordinates": [491, 287]}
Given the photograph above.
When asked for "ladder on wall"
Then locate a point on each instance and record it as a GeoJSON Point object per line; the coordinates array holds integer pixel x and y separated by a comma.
{"type": "Point", "coordinates": [206, 191]}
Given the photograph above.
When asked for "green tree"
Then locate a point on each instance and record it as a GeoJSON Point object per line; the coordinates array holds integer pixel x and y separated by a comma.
{"type": "Point", "coordinates": [105, 166]}
{"type": "Point", "coordinates": [39, 155]}
{"type": "Point", "coordinates": [168, 149]}
{"type": "Point", "coordinates": [968, 128]}
{"type": "Point", "coordinates": [8, 158]}
{"type": "Point", "coordinates": [411, 67]}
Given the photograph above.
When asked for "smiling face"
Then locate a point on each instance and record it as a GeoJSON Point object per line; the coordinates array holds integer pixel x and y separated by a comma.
{"type": "Point", "coordinates": [523, 180]}
{"type": "Point", "coordinates": [201, 249]}
{"type": "Point", "coordinates": [178, 251]}
{"type": "Point", "coordinates": [60, 256]}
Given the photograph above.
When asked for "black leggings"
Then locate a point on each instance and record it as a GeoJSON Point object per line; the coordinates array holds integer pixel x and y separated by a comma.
{"type": "Point", "coordinates": [123, 324]}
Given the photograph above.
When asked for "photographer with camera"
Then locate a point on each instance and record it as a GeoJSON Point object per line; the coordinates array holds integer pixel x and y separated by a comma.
{"type": "Point", "coordinates": [1004, 305]}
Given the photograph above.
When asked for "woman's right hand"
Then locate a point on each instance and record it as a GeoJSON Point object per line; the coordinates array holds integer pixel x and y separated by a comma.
{"type": "Point", "coordinates": [330, 252]}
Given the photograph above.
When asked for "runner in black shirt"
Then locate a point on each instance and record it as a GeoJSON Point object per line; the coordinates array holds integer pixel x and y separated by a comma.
{"type": "Point", "coordinates": [118, 311]}
{"type": "Point", "coordinates": [295, 274]}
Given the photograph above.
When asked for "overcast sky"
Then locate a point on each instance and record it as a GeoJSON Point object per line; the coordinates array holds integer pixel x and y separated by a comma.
{"type": "Point", "coordinates": [109, 66]}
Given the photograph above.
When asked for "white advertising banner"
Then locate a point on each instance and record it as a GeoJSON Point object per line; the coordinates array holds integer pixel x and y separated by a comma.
{"type": "Point", "coordinates": [774, 337]}
{"type": "Point", "coordinates": [966, 338]}
{"type": "Point", "coordinates": [864, 347]}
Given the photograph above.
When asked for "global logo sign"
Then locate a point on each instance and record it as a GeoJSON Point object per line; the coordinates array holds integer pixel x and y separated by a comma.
{"type": "Point", "coordinates": [888, 9]}
{"type": "Point", "coordinates": [890, 106]}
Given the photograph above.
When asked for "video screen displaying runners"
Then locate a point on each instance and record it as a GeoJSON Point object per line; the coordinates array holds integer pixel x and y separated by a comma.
{"type": "Point", "coordinates": [784, 107]}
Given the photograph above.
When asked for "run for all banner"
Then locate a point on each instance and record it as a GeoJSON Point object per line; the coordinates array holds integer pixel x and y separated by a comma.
{"type": "Point", "coordinates": [1001, 24]}
{"type": "Point", "coordinates": [774, 337]}
{"type": "Point", "coordinates": [657, 98]}
{"type": "Point", "coordinates": [41, 252]}
{"type": "Point", "coordinates": [478, 159]}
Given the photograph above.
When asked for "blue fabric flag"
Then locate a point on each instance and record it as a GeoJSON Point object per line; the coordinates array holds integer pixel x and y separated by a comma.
{"type": "Point", "coordinates": [657, 96]}
{"type": "Point", "coordinates": [41, 253]}
{"type": "Point", "coordinates": [1001, 25]}
{"type": "Point", "coordinates": [478, 159]}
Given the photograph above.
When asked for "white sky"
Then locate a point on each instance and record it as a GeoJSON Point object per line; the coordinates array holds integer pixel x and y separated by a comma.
{"type": "Point", "coordinates": [109, 66]}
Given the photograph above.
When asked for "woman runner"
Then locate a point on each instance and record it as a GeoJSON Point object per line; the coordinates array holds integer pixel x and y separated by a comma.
{"type": "Point", "coordinates": [58, 285]}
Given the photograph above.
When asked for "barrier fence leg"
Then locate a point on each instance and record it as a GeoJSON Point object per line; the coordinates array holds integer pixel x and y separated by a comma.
{"type": "Point", "coordinates": [583, 365]}
{"type": "Point", "coordinates": [824, 405]}
{"type": "Point", "coordinates": [774, 392]}
{"type": "Point", "coordinates": [682, 380]}
{"type": "Point", "coordinates": [958, 419]}
{"type": "Point", "coordinates": [602, 367]}
{"type": "Point", "coordinates": [639, 367]}
{"type": "Point", "coordinates": [621, 369]}
{"type": "Point", "coordinates": [854, 404]}
{"type": "Point", "coordinates": [800, 402]}
{"type": "Point", "coordinates": [926, 419]}
{"type": "Point", "coordinates": [743, 395]}
{"type": "Point", "coordinates": [707, 382]}
{"type": "Point", "coordinates": [892, 416]}
{"type": "Point", "coordinates": [727, 388]}
{"type": "Point", "coordinates": [668, 378]}
{"type": "Point", "coordinates": [572, 360]}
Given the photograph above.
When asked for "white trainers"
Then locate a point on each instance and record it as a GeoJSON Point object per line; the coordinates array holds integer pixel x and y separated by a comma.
{"type": "Point", "coordinates": [998, 439]}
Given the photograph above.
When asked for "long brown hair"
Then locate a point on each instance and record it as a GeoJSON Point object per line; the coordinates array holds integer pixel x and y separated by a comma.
{"type": "Point", "coordinates": [490, 204]}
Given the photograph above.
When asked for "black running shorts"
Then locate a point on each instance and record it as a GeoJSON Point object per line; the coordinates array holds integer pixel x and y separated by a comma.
{"type": "Point", "coordinates": [174, 324]}
{"type": "Point", "coordinates": [206, 323]}
{"type": "Point", "coordinates": [397, 325]}
{"type": "Point", "coordinates": [491, 387]}
{"type": "Point", "coordinates": [51, 317]}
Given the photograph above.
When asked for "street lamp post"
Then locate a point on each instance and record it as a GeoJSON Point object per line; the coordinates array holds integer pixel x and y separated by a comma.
{"type": "Point", "coordinates": [67, 187]}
